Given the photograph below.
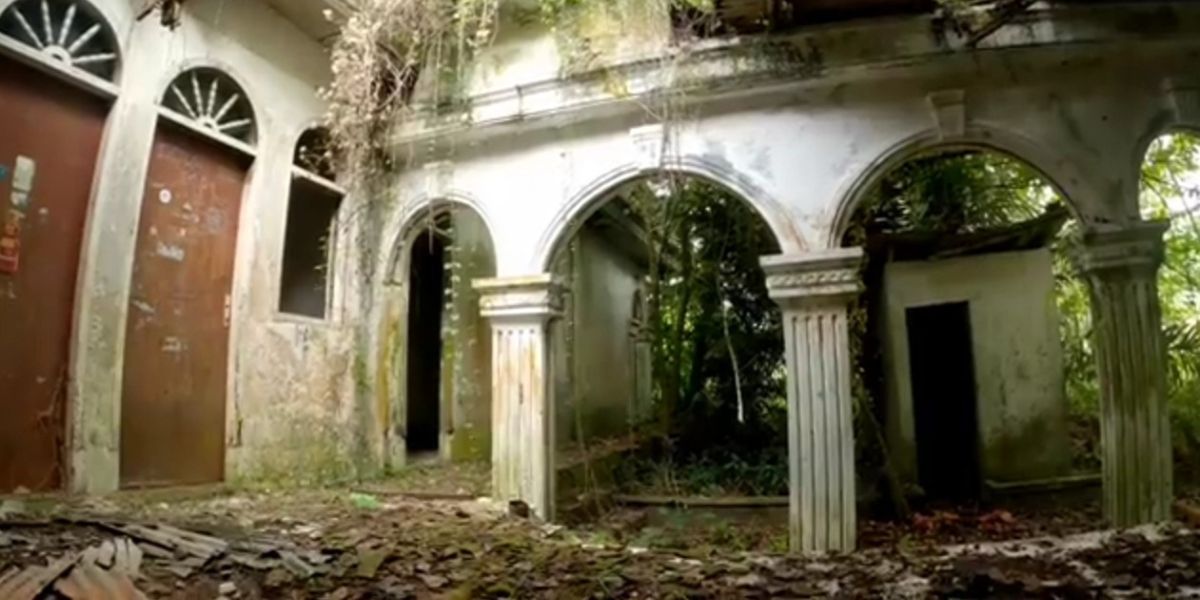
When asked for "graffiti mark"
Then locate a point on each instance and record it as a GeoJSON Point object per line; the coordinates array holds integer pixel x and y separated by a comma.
{"type": "Point", "coordinates": [10, 241]}
{"type": "Point", "coordinates": [143, 306]}
{"type": "Point", "coordinates": [173, 345]}
{"type": "Point", "coordinates": [24, 173]}
{"type": "Point", "coordinates": [3, 172]}
{"type": "Point", "coordinates": [20, 200]}
{"type": "Point", "coordinates": [214, 220]}
{"type": "Point", "coordinates": [170, 252]}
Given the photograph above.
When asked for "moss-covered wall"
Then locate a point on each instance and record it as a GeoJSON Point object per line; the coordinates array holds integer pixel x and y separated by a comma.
{"type": "Point", "coordinates": [467, 342]}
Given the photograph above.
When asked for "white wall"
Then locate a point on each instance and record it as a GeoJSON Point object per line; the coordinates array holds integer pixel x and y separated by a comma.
{"type": "Point", "coordinates": [1017, 353]}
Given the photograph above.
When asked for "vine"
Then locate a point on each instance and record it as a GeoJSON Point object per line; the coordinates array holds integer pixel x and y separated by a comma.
{"type": "Point", "coordinates": [385, 50]}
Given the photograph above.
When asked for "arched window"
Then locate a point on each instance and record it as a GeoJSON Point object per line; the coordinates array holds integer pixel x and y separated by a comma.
{"type": "Point", "coordinates": [212, 100]}
{"type": "Point", "coordinates": [69, 31]}
{"type": "Point", "coordinates": [306, 282]}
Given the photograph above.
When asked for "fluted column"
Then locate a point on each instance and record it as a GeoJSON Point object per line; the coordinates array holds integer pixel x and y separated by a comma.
{"type": "Point", "coordinates": [520, 310]}
{"type": "Point", "coordinates": [814, 290]}
{"type": "Point", "coordinates": [1121, 268]}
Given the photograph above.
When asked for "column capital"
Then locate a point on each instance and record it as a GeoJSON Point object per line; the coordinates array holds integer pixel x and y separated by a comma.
{"type": "Point", "coordinates": [1135, 247]}
{"type": "Point", "coordinates": [821, 276]}
{"type": "Point", "coordinates": [520, 299]}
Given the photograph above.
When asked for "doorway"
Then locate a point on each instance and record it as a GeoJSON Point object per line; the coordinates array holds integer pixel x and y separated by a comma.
{"type": "Point", "coordinates": [945, 407]}
{"type": "Point", "coordinates": [427, 279]}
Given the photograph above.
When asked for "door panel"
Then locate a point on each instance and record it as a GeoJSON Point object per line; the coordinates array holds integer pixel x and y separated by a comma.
{"type": "Point", "coordinates": [177, 338]}
{"type": "Point", "coordinates": [49, 138]}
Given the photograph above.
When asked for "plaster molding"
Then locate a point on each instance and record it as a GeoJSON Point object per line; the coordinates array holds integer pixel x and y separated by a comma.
{"type": "Point", "coordinates": [828, 275]}
{"type": "Point", "coordinates": [1137, 247]}
{"type": "Point", "coordinates": [949, 110]}
{"type": "Point", "coordinates": [536, 298]}
{"type": "Point", "coordinates": [1184, 98]}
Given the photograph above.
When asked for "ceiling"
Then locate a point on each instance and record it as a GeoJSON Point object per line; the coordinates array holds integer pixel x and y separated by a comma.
{"type": "Point", "coordinates": [309, 15]}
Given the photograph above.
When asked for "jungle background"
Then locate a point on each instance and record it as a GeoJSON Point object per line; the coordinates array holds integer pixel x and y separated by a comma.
{"type": "Point", "coordinates": [720, 400]}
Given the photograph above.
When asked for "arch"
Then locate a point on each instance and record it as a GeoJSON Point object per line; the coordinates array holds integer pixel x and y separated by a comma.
{"type": "Point", "coordinates": [212, 98]}
{"type": "Point", "coordinates": [428, 207]}
{"type": "Point", "coordinates": [572, 215]}
{"type": "Point", "coordinates": [976, 138]}
{"type": "Point", "coordinates": [72, 32]}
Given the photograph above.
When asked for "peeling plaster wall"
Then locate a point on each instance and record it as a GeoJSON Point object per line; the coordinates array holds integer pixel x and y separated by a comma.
{"type": "Point", "coordinates": [1018, 359]}
{"type": "Point", "coordinates": [289, 381]}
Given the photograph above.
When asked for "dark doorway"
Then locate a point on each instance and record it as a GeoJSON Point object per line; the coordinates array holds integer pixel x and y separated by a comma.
{"type": "Point", "coordinates": [944, 401]}
{"type": "Point", "coordinates": [427, 280]}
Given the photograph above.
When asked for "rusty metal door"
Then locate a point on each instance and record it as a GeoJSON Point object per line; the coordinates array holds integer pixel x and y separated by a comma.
{"type": "Point", "coordinates": [177, 339]}
{"type": "Point", "coordinates": [49, 138]}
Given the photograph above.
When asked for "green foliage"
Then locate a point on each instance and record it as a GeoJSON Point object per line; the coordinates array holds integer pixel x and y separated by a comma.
{"type": "Point", "coordinates": [1171, 190]}
{"type": "Point", "coordinates": [716, 335]}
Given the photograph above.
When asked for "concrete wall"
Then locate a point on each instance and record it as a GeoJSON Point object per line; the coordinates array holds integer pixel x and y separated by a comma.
{"type": "Point", "coordinates": [1017, 351]}
{"type": "Point", "coordinates": [597, 379]}
{"type": "Point", "coordinates": [290, 408]}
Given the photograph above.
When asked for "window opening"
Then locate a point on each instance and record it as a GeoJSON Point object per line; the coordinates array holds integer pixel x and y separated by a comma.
{"type": "Point", "coordinates": [306, 286]}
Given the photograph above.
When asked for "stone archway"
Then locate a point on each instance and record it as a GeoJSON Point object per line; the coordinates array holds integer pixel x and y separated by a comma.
{"type": "Point", "coordinates": [1117, 260]}
{"type": "Point", "coordinates": [436, 348]}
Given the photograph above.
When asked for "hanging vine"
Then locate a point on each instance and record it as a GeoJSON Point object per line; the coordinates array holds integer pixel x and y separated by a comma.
{"type": "Point", "coordinates": [385, 50]}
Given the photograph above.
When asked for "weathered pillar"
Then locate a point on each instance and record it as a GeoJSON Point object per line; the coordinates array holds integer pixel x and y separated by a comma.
{"type": "Point", "coordinates": [520, 310]}
{"type": "Point", "coordinates": [1121, 268]}
{"type": "Point", "coordinates": [814, 290]}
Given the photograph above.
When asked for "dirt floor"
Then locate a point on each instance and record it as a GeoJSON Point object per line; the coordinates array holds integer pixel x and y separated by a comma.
{"type": "Point", "coordinates": [383, 542]}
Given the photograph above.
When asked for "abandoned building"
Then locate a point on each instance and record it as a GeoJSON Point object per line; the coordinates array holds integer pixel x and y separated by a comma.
{"type": "Point", "coordinates": [187, 297]}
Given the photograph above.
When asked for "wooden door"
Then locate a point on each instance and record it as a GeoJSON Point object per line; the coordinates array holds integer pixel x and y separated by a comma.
{"type": "Point", "coordinates": [177, 339]}
{"type": "Point", "coordinates": [49, 138]}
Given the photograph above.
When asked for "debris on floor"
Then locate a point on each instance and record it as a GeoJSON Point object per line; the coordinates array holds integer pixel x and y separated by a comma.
{"type": "Point", "coordinates": [334, 545]}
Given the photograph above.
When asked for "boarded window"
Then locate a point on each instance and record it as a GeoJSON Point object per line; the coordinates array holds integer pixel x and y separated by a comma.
{"type": "Point", "coordinates": [306, 287]}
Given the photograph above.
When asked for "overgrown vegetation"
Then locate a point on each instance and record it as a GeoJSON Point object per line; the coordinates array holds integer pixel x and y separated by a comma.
{"type": "Point", "coordinates": [967, 191]}
{"type": "Point", "coordinates": [717, 346]}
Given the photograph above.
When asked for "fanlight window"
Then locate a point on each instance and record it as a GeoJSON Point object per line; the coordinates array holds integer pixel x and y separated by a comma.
{"type": "Point", "coordinates": [314, 153]}
{"type": "Point", "coordinates": [212, 100]}
{"type": "Point", "coordinates": [69, 31]}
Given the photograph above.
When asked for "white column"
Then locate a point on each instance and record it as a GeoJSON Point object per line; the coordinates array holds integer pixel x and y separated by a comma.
{"type": "Point", "coordinates": [814, 291]}
{"type": "Point", "coordinates": [520, 311]}
{"type": "Point", "coordinates": [1121, 268]}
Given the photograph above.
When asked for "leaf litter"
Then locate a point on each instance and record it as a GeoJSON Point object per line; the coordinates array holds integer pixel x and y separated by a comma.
{"type": "Point", "coordinates": [334, 545]}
